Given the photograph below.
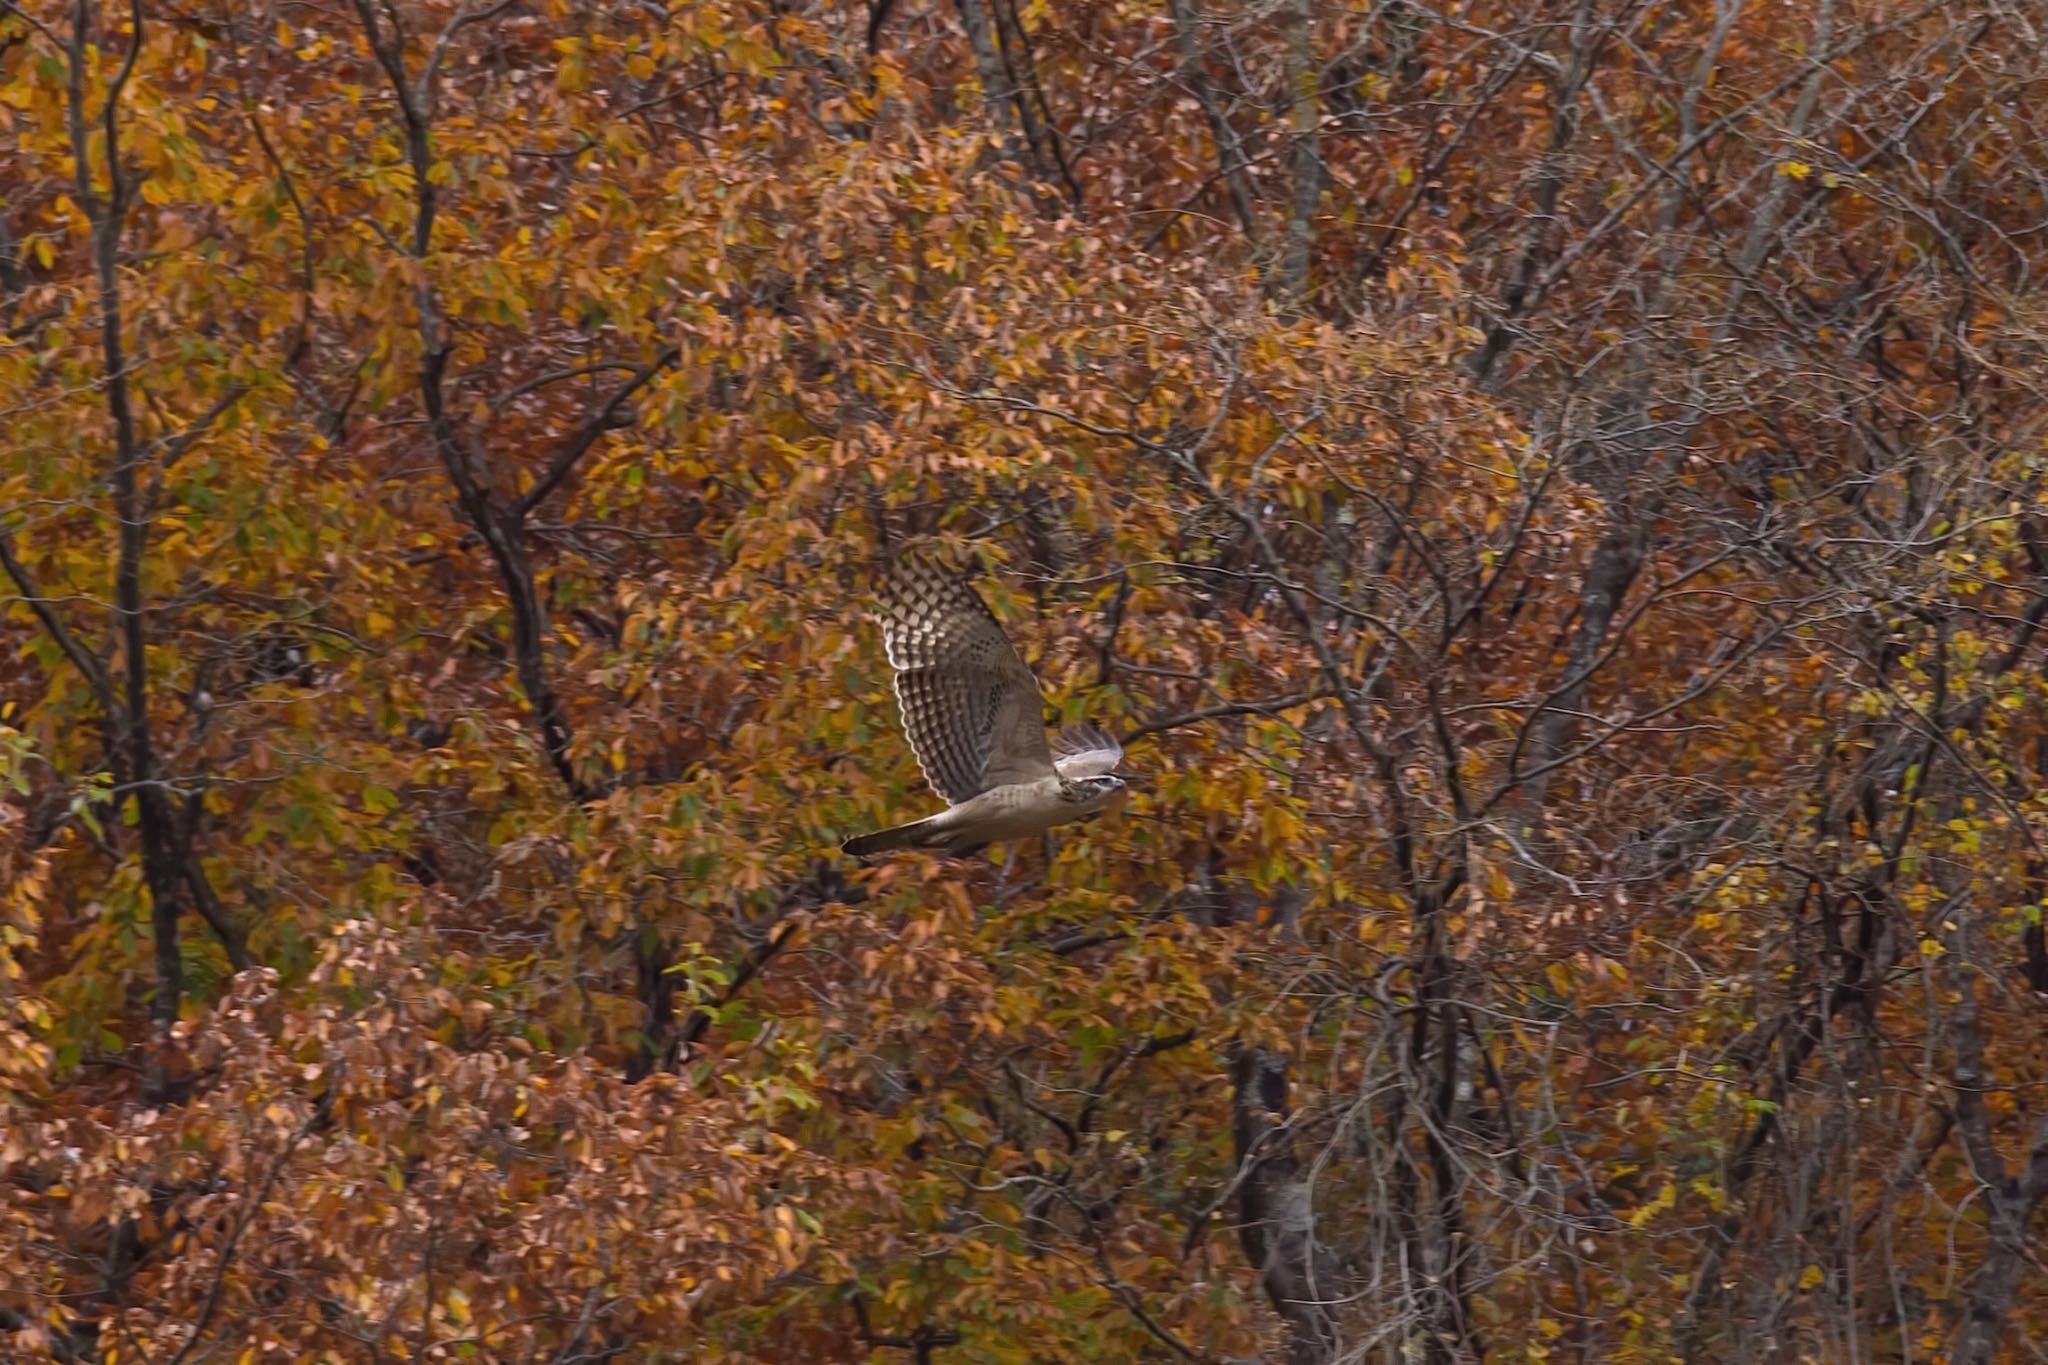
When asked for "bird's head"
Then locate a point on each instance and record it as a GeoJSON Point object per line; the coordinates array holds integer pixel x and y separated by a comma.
{"type": "Point", "coordinates": [1093, 792]}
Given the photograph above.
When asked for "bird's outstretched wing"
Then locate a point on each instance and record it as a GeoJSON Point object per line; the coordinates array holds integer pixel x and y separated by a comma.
{"type": "Point", "coordinates": [1084, 751]}
{"type": "Point", "coordinates": [971, 708]}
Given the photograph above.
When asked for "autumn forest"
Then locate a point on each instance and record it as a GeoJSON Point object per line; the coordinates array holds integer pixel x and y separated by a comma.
{"type": "Point", "coordinates": [1551, 496]}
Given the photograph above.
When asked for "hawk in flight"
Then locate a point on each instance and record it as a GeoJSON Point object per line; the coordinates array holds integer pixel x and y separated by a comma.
{"type": "Point", "coordinates": [973, 715]}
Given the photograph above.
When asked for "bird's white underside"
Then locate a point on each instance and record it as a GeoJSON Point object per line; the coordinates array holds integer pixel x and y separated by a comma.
{"type": "Point", "coordinates": [1017, 811]}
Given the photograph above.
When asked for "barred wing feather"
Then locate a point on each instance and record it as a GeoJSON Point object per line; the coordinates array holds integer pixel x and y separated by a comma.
{"type": "Point", "coordinates": [971, 709]}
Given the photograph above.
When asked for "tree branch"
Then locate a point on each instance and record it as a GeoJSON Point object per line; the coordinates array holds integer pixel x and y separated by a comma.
{"type": "Point", "coordinates": [1225, 710]}
{"type": "Point", "coordinates": [605, 419]}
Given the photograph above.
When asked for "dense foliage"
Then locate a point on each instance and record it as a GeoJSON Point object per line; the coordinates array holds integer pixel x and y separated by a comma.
{"type": "Point", "coordinates": [1552, 493]}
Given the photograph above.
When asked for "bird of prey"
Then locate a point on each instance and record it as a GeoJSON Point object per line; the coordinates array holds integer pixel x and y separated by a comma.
{"type": "Point", "coordinates": [973, 715]}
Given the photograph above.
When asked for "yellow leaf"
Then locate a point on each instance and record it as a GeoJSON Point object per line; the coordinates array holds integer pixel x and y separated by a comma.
{"type": "Point", "coordinates": [1665, 1198]}
{"type": "Point", "coordinates": [1798, 170]}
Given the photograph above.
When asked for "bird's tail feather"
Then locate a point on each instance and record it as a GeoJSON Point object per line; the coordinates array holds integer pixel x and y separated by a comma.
{"type": "Point", "coordinates": [916, 834]}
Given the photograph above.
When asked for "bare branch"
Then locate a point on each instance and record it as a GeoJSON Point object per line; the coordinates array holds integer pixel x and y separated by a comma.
{"type": "Point", "coordinates": [606, 418]}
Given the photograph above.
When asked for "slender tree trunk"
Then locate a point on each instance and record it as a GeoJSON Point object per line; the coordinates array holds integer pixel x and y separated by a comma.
{"type": "Point", "coordinates": [2011, 1201]}
{"type": "Point", "coordinates": [1617, 559]}
{"type": "Point", "coordinates": [655, 1050]}
{"type": "Point", "coordinates": [157, 827]}
{"type": "Point", "coordinates": [1276, 1204]}
{"type": "Point", "coordinates": [1538, 236]}
{"type": "Point", "coordinates": [1230, 158]}
{"type": "Point", "coordinates": [1303, 114]}
{"type": "Point", "coordinates": [1998, 1280]}
{"type": "Point", "coordinates": [998, 96]}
